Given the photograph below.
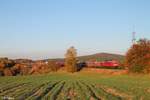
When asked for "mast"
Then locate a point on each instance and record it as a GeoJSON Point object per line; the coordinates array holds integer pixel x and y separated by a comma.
{"type": "Point", "coordinates": [133, 36]}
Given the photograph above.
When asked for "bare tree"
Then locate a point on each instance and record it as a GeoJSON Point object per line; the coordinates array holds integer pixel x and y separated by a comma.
{"type": "Point", "coordinates": [70, 61]}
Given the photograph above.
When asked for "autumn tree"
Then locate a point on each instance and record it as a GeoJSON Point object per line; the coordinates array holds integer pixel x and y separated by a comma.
{"type": "Point", "coordinates": [53, 66]}
{"type": "Point", "coordinates": [70, 61]}
{"type": "Point", "coordinates": [8, 72]}
{"type": "Point", "coordinates": [6, 66]}
{"type": "Point", "coordinates": [138, 57]}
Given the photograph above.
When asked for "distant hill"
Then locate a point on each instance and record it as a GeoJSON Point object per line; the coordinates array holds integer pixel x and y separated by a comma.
{"type": "Point", "coordinates": [102, 57]}
{"type": "Point", "coordinates": [98, 57]}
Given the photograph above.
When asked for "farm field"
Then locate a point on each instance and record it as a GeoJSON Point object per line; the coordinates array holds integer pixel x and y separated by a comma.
{"type": "Point", "coordinates": [77, 86]}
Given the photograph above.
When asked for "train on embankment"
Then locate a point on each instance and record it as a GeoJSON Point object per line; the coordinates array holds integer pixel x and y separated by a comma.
{"type": "Point", "coordinates": [95, 64]}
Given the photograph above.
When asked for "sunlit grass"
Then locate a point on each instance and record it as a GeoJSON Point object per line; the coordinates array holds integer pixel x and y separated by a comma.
{"type": "Point", "coordinates": [133, 86]}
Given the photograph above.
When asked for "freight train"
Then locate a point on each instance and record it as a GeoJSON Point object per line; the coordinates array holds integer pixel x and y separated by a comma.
{"type": "Point", "coordinates": [105, 64]}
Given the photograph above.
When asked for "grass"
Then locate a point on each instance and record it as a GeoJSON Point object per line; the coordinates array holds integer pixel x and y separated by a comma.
{"type": "Point", "coordinates": [77, 86]}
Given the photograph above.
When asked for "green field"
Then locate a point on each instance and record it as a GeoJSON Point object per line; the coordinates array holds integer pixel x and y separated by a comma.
{"type": "Point", "coordinates": [77, 86]}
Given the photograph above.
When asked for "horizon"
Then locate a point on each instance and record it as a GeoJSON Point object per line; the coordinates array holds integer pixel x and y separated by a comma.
{"type": "Point", "coordinates": [38, 29]}
{"type": "Point", "coordinates": [63, 57]}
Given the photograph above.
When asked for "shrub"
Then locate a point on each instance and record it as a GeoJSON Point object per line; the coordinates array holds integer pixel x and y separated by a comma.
{"type": "Point", "coordinates": [5, 62]}
{"type": "Point", "coordinates": [24, 71]}
{"type": "Point", "coordinates": [1, 73]}
{"type": "Point", "coordinates": [8, 72]}
{"type": "Point", "coordinates": [53, 66]}
{"type": "Point", "coordinates": [138, 57]}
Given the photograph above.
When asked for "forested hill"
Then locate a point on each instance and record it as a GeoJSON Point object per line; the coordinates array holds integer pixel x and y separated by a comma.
{"type": "Point", "coordinates": [98, 57]}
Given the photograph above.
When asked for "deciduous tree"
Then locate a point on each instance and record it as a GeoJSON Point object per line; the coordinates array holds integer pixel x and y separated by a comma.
{"type": "Point", "coordinates": [70, 61]}
{"type": "Point", "coordinates": [138, 56]}
{"type": "Point", "coordinates": [53, 66]}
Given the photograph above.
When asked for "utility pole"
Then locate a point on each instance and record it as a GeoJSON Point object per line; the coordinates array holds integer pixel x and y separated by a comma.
{"type": "Point", "coordinates": [133, 36]}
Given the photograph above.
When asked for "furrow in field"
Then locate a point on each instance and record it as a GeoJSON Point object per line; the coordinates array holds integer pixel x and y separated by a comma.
{"type": "Point", "coordinates": [88, 94]}
{"type": "Point", "coordinates": [11, 88]}
{"type": "Point", "coordinates": [43, 91]}
{"type": "Point", "coordinates": [21, 90]}
{"type": "Point", "coordinates": [72, 93]}
{"type": "Point", "coordinates": [65, 92]}
{"type": "Point", "coordinates": [13, 91]}
{"type": "Point", "coordinates": [103, 94]}
{"type": "Point", "coordinates": [3, 84]}
{"type": "Point", "coordinates": [100, 93]}
{"type": "Point", "coordinates": [52, 95]}
{"type": "Point", "coordinates": [92, 92]}
{"type": "Point", "coordinates": [30, 92]}
{"type": "Point", "coordinates": [80, 90]}
{"type": "Point", "coordinates": [114, 92]}
{"type": "Point", "coordinates": [57, 92]}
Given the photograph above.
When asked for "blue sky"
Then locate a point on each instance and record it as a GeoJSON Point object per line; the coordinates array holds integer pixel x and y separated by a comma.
{"type": "Point", "coordinates": [40, 29]}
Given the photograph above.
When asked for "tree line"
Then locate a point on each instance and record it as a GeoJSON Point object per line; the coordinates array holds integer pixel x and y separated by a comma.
{"type": "Point", "coordinates": [137, 60]}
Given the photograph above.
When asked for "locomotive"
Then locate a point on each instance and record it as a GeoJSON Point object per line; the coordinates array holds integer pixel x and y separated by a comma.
{"type": "Point", "coordinates": [105, 64]}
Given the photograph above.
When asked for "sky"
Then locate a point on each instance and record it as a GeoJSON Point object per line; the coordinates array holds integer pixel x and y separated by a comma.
{"type": "Point", "coordinates": [41, 29]}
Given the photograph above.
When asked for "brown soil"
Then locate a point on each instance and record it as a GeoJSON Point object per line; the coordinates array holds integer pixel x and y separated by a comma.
{"type": "Point", "coordinates": [106, 71]}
